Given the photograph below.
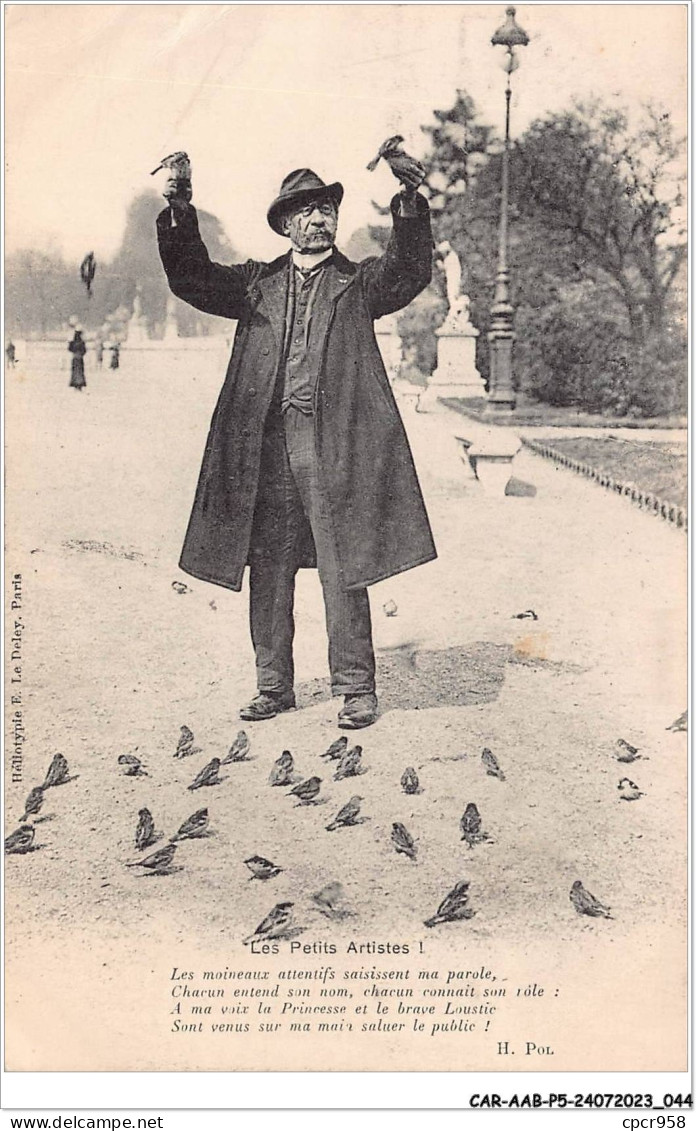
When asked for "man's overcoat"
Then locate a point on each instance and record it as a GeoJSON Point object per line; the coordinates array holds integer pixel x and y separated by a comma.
{"type": "Point", "coordinates": [367, 474]}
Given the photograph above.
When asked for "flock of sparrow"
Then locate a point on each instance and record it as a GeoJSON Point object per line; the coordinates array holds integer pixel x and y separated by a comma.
{"type": "Point", "coordinates": [347, 763]}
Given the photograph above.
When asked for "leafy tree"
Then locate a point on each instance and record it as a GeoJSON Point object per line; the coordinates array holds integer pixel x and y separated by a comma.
{"type": "Point", "coordinates": [596, 249]}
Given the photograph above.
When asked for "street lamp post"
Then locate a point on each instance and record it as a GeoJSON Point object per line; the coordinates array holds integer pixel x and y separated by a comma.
{"type": "Point", "coordinates": [500, 336]}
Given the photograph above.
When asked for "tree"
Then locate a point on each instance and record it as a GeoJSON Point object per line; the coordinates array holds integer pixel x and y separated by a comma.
{"type": "Point", "coordinates": [596, 248]}
{"type": "Point", "coordinates": [615, 195]}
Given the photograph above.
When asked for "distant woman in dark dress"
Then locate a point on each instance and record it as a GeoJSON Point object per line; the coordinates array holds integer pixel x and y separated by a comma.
{"type": "Point", "coordinates": [78, 349]}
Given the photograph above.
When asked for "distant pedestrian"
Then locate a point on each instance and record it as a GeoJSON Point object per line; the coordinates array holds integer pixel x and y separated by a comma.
{"type": "Point", "coordinates": [11, 354]}
{"type": "Point", "coordinates": [78, 349]}
{"type": "Point", "coordinates": [115, 356]}
{"type": "Point", "coordinates": [99, 352]}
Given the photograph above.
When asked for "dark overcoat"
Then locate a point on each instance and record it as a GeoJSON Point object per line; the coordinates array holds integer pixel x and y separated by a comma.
{"type": "Point", "coordinates": [365, 464]}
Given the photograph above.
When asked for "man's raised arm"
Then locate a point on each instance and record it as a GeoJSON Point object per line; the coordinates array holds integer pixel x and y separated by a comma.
{"type": "Point", "coordinates": [395, 278]}
{"type": "Point", "coordinates": [191, 274]}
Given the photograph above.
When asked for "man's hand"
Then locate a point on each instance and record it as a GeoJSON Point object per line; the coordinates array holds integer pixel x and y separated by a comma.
{"type": "Point", "coordinates": [178, 192]}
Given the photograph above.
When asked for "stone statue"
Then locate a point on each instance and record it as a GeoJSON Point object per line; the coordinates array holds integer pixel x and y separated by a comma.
{"type": "Point", "coordinates": [453, 273]}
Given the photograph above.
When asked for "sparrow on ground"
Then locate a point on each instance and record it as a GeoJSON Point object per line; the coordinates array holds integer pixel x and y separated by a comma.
{"type": "Point", "coordinates": [145, 831]}
{"type": "Point", "coordinates": [403, 841]}
{"type": "Point", "coordinates": [33, 803]}
{"type": "Point", "coordinates": [239, 750]}
{"type": "Point", "coordinates": [328, 898]}
{"type": "Point", "coordinates": [628, 790]}
{"type": "Point", "coordinates": [20, 841]}
{"type": "Point", "coordinates": [586, 904]}
{"type": "Point", "coordinates": [306, 791]}
{"type": "Point", "coordinates": [209, 775]}
{"type": "Point", "coordinates": [409, 781]}
{"type": "Point", "coordinates": [491, 764]}
{"type": "Point", "coordinates": [274, 925]}
{"type": "Point", "coordinates": [627, 753]}
{"type": "Point", "coordinates": [346, 816]}
{"type": "Point", "coordinates": [470, 824]}
{"type": "Point", "coordinates": [133, 765]}
{"type": "Point", "coordinates": [350, 764]}
{"type": "Point", "coordinates": [262, 869]}
{"type": "Point", "coordinates": [178, 586]}
{"type": "Point", "coordinates": [57, 772]}
{"type": "Point", "coordinates": [528, 614]}
{"type": "Point", "coordinates": [160, 861]}
{"type": "Point", "coordinates": [194, 826]}
{"type": "Point", "coordinates": [337, 749]}
{"type": "Point", "coordinates": [682, 723]}
{"type": "Point", "coordinates": [390, 608]}
{"type": "Point", "coordinates": [185, 747]}
{"type": "Point", "coordinates": [453, 906]}
{"type": "Point", "coordinates": [282, 769]}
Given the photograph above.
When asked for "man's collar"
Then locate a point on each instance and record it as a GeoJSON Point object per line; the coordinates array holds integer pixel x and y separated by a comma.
{"type": "Point", "coordinates": [308, 261]}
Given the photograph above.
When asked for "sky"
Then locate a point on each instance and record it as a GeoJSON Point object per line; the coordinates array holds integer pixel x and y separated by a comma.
{"type": "Point", "coordinates": [96, 94]}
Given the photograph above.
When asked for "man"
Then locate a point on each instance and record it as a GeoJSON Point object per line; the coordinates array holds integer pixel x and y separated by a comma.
{"type": "Point", "coordinates": [307, 462]}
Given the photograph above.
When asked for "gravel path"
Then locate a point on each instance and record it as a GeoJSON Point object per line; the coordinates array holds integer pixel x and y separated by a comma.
{"type": "Point", "coordinates": [116, 661]}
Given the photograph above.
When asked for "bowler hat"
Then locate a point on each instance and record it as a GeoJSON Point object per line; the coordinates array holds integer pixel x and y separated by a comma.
{"type": "Point", "coordinates": [298, 187]}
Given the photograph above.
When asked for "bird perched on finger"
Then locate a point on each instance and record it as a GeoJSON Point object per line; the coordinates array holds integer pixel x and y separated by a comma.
{"type": "Point", "coordinates": [262, 869]}
{"type": "Point", "coordinates": [682, 723]}
{"type": "Point", "coordinates": [403, 841]}
{"type": "Point", "coordinates": [282, 769]}
{"type": "Point", "coordinates": [179, 164]}
{"type": "Point", "coordinates": [350, 765]}
{"type": "Point", "coordinates": [628, 790]}
{"type": "Point", "coordinates": [133, 767]}
{"type": "Point", "coordinates": [209, 775]}
{"type": "Point", "coordinates": [33, 803]}
{"type": "Point", "coordinates": [337, 749]}
{"type": "Point", "coordinates": [20, 841]}
{"type": "Point", "coordinates": [185, 747]}
{"type": "Point", "coordinates": [145, 830]}
{"type": "Point", "coordinates": [627, 753]}
{"type": "Point", "coordinates": [407, 169]}
{"type": "Point", "coordinates": [453, 907]}
{"type": "Point", "coordinates": [491, 764]}
{"type": "Point", "coordinates": [274, 925]}
{"type": "Point", "coordinates": [160, 861]}
{"type": "Point", "coordinates": [409, 781]}
{"type": "Point", "coordinates": [306, 791]}
{"type": "Point", "coordinates": [239, 750]}
{"type": "Point", "coordinates": [390, 608]}
{"type": "Point", "coordinates": [194, 826]}
{"type": "Point", "coordinates": [57, 772]}
{"type": "Point", "coordinates": [346, 816]}
{"type": "Point", "coordinates": [391, 145]}
{"type": "Point", "coordinates": [586, 904]}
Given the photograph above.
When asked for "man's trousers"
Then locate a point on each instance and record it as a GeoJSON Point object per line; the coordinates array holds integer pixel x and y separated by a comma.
{"type": "Point", "coordinates": [290, 494]}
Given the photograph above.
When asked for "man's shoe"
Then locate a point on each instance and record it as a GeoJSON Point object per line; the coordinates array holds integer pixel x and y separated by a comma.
{"type": "Point", "coordinates": [358, 711]}
{"type": "Point", "coordinates": [266, 705]}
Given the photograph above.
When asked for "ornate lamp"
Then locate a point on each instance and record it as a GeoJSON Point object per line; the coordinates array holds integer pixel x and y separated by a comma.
{"type": "Point", "coordinates": [501, 392]}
